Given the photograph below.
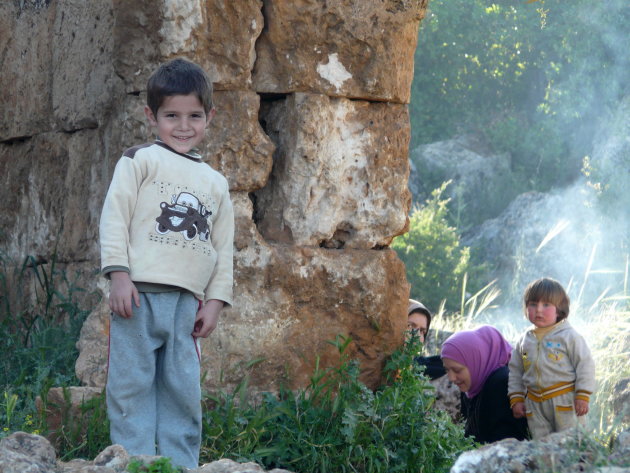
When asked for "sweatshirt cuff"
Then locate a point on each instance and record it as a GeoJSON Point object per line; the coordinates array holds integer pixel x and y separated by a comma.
{"type": "Point", "coordinates": [583, 395]}
{"type": "Point", "coordinates": [110, 269]}
{"type": "Point", "coordinates": [515, 398]}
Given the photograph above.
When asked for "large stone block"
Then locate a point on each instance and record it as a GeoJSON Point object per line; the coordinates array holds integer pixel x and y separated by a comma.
{"type": "Point", "coordinates": [57, 71]}
{"type": "Point", "coordinates": [286, 312]}
{"type": "Point", "coordinates": [340, 172]}
{"type": "Point", "coordinates": [49, 192]}
{"type": "Point", "coordinates": [218, 34]}
{"type": "Point", "coordinates": [226, 44]}
{"type": "Point", "coordinates": [25, 82]}
{"type": "Point", "coordinates": [349, 48]}
{"type": "Point", "coordinates": [84, 79]}
{"type": "Point", "coordinates": [236, 145]}
{"type": "Point", "coordinates": [91, 365]}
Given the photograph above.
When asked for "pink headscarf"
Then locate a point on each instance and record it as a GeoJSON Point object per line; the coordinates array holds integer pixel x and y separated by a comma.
{"type": "Point", "coordinates": [482, 351]}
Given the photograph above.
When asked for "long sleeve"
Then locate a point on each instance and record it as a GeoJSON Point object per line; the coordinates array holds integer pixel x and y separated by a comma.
{"type": "Point", "coordinates": [221, 281]}
{"type": "Point", "coordinates": [584, 366]}
{"type": "Point", "coordinates": [116, 215]}
{"type": "Point", "coordinates": [516, 387]}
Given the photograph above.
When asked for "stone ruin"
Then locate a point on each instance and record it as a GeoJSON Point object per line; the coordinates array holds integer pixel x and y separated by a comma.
{"type": "Point", "coordinates": [312, 133]}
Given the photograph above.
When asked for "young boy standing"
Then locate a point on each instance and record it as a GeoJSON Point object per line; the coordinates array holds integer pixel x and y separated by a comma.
{"type": "Point", "coordinates": [166, 234]}
{"type": "Point", "coordinates": [552, 373]}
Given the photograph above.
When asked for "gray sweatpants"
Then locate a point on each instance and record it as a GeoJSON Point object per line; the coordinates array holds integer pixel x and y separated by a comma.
{"type": "Point", "coordinates": [552, 415]}
{"type": "Point", "coordinates": [153, 380]}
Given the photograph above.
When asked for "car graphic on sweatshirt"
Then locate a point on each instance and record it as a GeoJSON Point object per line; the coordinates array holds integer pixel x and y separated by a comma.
{"type": "Point", "coordinates": [185, 214]}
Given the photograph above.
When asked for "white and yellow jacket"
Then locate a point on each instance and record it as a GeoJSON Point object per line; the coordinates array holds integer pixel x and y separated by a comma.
{"type": "Point", "coordinates": [549, 362]}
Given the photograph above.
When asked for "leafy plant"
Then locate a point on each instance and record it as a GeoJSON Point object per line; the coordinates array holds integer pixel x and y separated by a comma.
{"type": "Point", "coordinates": [84, 429]}
{"type": "Point", "coordinates": [435, 261]}
{"type": "Point", "coordinates": [336, 424]}
{"type": "Point", "coordinates": [161, 465]}
{"type": "Point", "coordinates": [38, 332]}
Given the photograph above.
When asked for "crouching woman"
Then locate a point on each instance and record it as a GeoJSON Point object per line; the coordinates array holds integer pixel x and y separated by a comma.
{"type": "Point", "coordinates": [476, 361]}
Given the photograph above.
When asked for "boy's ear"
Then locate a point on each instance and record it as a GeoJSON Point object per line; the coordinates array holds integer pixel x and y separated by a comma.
{"type": "Point", "coordinates": [149, 114]}
{"type": "Point", "coordinates": [210, 115]}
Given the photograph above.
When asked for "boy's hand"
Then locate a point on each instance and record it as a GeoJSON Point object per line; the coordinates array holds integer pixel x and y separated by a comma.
{"type": "Point", "coordinates": [518, 410]}
{"type": "Point", "coordinates": [581, 407]}
{"type": "Point", "coordinates": [121, 293]}
{"type": "Point", "coordinates": [207, 318]}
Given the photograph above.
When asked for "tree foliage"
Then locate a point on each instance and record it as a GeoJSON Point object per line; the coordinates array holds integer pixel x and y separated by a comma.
{"type": "Point", "coordinates": [435, 261]}
{"type": "Point", "coordinates": [532, 79]}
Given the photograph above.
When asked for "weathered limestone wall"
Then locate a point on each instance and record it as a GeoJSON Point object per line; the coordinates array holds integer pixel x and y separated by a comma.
{"type": "Point", "coordinates": [312, 133]}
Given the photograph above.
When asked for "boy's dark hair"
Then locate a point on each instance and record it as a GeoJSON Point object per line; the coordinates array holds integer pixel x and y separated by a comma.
{"type": "Point", "coordinates": [178, 77]}
{"type": "Point", "coordinates": [548, 290]}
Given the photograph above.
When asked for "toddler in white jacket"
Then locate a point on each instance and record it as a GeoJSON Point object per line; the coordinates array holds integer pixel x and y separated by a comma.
{"type": "Point", "coordinates": [552, 372]}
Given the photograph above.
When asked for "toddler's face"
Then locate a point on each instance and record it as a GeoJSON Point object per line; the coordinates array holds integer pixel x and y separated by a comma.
{"type": "Point", "coordinates": [542, 314]}
{"type": "Point", "coordinates": [181, 122]}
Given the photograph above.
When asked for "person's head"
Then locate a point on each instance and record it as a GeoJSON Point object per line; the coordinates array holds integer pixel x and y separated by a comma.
{"type": "Point", "coordinates": [179, 103]}
{"type": "Point", "coordinates": [418, 319]}
{"type": "Point", "coordinates": [470, 356]}
{"type": "Point", "coordinates": [546, 302]}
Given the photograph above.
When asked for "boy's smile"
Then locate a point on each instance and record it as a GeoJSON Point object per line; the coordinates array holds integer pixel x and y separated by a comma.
{"type": "Point", "coordinates": [181, 121]}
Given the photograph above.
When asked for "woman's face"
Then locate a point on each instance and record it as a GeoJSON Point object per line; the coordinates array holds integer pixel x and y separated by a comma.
{"type": "Point", "coordinates": [457, 373]}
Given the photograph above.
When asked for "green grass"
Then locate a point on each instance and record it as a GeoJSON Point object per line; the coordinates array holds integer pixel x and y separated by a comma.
{"type": "Point", "coordinates": [39, 327]}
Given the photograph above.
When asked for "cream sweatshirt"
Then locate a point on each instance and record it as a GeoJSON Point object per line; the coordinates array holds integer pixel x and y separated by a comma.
{"type": "Point", "coordinates": [168, 219]}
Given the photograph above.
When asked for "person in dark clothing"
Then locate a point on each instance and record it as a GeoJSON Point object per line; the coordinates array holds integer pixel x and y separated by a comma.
{"type": "Point", "coordinates": [476, 361]}
{"type": "Point", "coordinates": [418, 322]}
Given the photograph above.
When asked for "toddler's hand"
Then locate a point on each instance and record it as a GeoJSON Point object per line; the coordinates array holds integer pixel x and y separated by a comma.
{"type": "Point", "coordinates": [581, 407]}
{"type": "Point", "coordinates": [518, 410]}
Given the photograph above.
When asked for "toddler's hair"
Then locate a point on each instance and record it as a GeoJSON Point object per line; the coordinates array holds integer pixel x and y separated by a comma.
{"type": "Point", "coordinates": [548, 290]}
{"type": "Point", "coordinates": [178, 77]}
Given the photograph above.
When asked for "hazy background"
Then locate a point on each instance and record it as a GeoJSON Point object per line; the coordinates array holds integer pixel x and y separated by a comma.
{"type": "Point", "coordinates": [540, 91]}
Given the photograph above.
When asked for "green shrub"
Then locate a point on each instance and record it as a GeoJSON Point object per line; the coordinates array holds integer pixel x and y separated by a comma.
{"type": "Point", "coordinates": [39, 327]}
{"type": "Point", "coordinates": [435, 261]}
{"type": "Point", "coordinates": [161, 465]}
{"type": "Point", "coordinates": [84, 431]}
{"type": "Point", "coordinates": [336, 424]}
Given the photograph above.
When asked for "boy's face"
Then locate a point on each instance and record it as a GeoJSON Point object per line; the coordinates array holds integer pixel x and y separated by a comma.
{"type": "Point", "coordinates": [181, 121]}
{"type": "Point", "coordinates": [542, 314]}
